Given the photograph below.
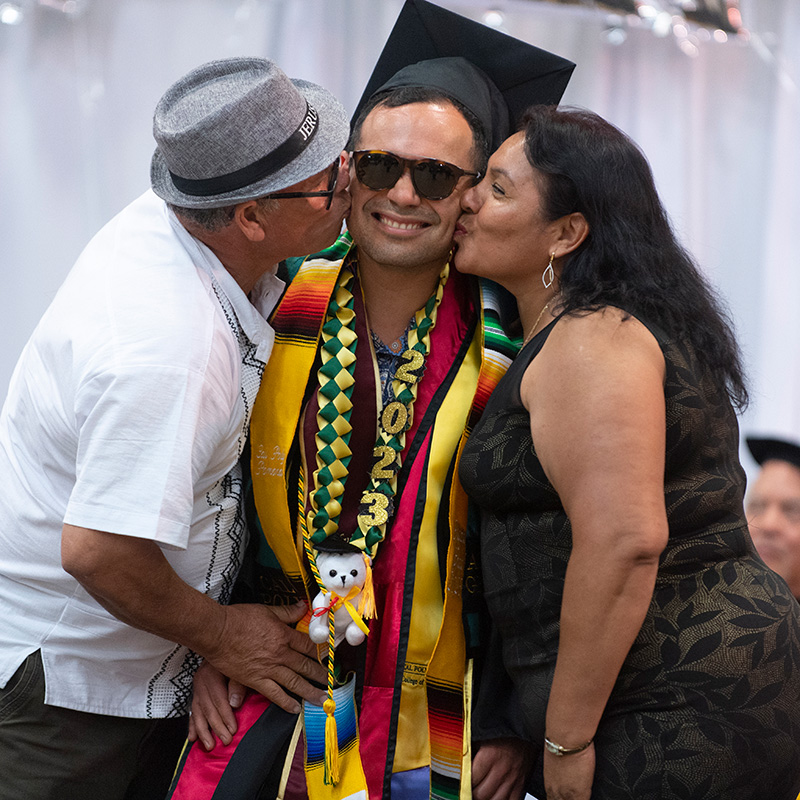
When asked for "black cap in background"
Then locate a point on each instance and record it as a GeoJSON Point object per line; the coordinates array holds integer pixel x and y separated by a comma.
{"type": "Point", "coordinates": [774, 449]}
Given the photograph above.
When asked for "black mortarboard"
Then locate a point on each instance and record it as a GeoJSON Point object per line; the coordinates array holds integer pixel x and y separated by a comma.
{"type": "Point", "coordinates": [524, 74]}
{"type": "Point", "coordinates": [774, 449]}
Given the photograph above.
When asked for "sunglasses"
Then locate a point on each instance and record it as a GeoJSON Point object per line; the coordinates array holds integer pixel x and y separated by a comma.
{"type": "Point", "coordinates": [431, 178]}
{"type": "Point", "coordinates": [329, 192]}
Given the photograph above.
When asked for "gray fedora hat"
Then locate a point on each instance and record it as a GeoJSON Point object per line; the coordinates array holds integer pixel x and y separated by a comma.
{"type": "Point", "coordinates": [239, 128]}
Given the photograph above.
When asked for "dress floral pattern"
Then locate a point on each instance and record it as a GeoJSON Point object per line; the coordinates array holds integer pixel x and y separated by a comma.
{"type": "Point", "coordinates": [707, 704]}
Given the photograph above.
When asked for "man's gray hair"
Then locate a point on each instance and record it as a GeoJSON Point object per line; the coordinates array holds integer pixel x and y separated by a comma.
{"type": "Point", "coordinates": [215, 219]}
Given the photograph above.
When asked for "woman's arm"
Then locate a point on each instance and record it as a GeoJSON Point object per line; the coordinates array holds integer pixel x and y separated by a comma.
{"type": "Point", "coordinates": [595, 395]}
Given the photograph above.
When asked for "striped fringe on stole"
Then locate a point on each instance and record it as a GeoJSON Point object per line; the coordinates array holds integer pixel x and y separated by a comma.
{"type": "Point", "coordinates": [499, 350]}
{"type": "Point", "coordinates": [448, 701]}
{"type": "Point", "coordinates": [296, 321]}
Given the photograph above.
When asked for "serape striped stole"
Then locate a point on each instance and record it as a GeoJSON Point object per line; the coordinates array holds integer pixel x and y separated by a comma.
{"type": "Point", "coordinates": [449, 694]}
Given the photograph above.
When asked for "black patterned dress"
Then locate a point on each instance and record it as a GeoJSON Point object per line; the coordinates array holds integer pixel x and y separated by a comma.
{"type": "Point", "coordinates": [707, 704]}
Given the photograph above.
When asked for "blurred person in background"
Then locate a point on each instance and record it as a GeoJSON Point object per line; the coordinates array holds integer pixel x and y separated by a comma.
{"type": "Point", "coordinates": [773, 507]}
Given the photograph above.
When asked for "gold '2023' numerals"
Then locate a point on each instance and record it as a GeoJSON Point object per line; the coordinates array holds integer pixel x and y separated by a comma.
{"type": "Point", "coordinates": [409, 372]}
{"type": "Point", "coordinates": [374, 509]}
{"type": "Point", "coordinates": [394, 417]}
{"type": "Point", "coordinates": [386, 464]}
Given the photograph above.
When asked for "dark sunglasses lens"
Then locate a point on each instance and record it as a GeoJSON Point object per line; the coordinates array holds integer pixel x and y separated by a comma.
{"type": "Point", "coordinates": [434, 179]}
{"type": "Point", "coordinates": [378, 170]}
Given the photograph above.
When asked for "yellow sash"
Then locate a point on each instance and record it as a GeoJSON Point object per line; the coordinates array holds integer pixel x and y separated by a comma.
{"type": "Point", "coordinates": [275, 418]}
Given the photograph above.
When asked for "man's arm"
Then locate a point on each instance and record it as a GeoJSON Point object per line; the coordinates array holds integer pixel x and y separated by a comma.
{"type": "Point", "coordinates": [253, 644]}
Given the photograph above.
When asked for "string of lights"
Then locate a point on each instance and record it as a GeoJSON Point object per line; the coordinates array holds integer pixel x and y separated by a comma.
{"type": "Point", "coordinates": [690, 22]}
{"type": "Point", "coordinates": [13, 12]}
{"type": "Point", "coordinates": [662, 16]}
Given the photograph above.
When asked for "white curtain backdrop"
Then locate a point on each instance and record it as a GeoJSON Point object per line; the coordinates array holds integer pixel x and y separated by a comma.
{"type": "Point", "coordinates": [721, 130]}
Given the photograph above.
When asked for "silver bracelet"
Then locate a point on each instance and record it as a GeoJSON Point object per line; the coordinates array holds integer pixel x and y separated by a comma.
{"type": "Point", "coordinates": [558, 750]}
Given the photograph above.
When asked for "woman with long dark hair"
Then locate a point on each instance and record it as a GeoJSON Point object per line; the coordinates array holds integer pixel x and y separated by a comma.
{"type": "Point", "coordinates": [654, 654]}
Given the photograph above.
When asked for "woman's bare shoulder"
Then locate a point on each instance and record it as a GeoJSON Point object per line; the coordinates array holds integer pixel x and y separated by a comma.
{"type": "Point", "coordinates": [607, 331]}
{"type": "Point", "coordinates": [585, 349]}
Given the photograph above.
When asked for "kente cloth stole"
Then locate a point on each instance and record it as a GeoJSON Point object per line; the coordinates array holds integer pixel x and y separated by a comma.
{"type": "Point", "coordinates": [407, 576]}
{"type": "Point", "coordinates": [393, 702]}
{"type": "Point", "coordinates": [297, 323]}
{"type": "Point", "coordinates": [448, 688]}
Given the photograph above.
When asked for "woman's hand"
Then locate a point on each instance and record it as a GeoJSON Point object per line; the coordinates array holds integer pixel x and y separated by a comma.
{"type": "Point", "coordinates": [214, 699]}
{"type": "Point", "coordinates": [569, 777]}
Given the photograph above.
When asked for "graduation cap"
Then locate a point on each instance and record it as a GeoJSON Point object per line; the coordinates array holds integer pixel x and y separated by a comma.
{"type": "Point", "coordinates": [524, 75]}
{"type": "Point", "coordinates": [774, 449]}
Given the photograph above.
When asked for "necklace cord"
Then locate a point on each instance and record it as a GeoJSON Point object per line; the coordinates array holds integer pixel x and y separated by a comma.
{"type": "Point", "coordinates": [538, 319]}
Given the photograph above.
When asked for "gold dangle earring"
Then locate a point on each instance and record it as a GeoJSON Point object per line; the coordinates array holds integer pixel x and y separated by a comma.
{"type": "Point", "coordinates": [548, 275]}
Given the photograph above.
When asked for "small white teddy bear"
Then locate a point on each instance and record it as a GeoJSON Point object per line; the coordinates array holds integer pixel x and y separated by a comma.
{"type": "Point", "coordinates": [339, 573]}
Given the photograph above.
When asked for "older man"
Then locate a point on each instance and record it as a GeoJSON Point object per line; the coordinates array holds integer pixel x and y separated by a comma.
{"type": "Point", "coordinates": [121, 525]}
{"type": "Point", "coordinates": [773, 507]}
